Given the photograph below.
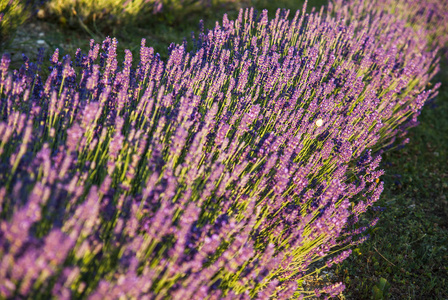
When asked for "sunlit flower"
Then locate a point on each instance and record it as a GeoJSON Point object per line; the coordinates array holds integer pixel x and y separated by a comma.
{"type": "Point", "coordinates": [203, 175]}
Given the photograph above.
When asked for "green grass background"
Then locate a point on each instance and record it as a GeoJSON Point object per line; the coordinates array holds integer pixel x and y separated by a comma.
{"type": "Point", "coordinates": [406, 256]}
{"type": "Point", "coordinates": [408, 247]}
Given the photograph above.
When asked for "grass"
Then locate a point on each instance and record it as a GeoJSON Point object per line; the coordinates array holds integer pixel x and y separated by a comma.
{"type": "Point", "coordinates": [408, 247]}
{"type": "Point", "coordinates": [406, 256]}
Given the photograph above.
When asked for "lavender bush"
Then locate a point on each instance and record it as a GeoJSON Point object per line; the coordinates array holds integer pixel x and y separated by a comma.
{"type": "Point", "coordinates": [430, 15]}
{"type": "Point", "coordinates": [226, 172]}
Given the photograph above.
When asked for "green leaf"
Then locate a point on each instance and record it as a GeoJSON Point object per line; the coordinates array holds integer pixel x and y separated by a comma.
{"type": "Point", "coordinates": [381, 289]}
{"type": "Point", "coordinates": [377, 293]}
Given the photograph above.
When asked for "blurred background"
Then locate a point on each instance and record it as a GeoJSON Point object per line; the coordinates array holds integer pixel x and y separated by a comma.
{"type": "Point", "coordinates": [69, 24]}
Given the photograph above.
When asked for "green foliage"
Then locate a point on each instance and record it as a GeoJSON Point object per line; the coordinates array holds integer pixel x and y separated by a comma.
{"type": "Point", "coordinates": [381, 289]}
{"type": "Point", "coordinates": [12, 15]}
{"type": "Point", "coordinates": [408, 247]}
{"type": "Point", "coordinates": [109, 17]}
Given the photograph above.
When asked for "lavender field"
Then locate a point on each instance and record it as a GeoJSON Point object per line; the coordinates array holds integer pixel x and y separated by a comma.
{"type": "Point", "coordinates": [239, 161]}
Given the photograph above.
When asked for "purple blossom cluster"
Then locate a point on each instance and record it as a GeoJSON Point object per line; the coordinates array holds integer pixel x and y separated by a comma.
{"type": "Point", "coordinates": [225, 172]}
{"type": "Point", "coordinates": [428, 15]}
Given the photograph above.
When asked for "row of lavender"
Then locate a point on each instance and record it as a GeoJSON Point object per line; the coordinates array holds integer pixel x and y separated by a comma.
{"type": "Point", "coordinates": [226, 172]}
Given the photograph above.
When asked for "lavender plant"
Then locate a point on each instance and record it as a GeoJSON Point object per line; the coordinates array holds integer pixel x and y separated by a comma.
{"type": "Point", "coordinates": [430, 15]}
{"type": "Point", "coordinates": [226, 172]}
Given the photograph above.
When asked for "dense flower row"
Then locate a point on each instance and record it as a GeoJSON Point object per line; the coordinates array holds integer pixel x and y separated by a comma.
{"type": "Point", "coordinates": [225, 172]}
{"type": "Point", "coordinates": [429, 15]}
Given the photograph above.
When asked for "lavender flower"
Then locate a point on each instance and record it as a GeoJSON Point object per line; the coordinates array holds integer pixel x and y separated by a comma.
{"type": "Point", "coordinates": [224, 172]}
